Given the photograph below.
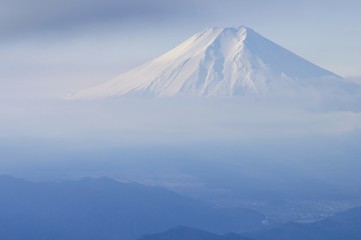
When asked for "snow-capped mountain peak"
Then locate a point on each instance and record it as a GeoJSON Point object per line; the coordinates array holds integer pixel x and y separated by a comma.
{"type": "Point", "coordinates": [217, 62]}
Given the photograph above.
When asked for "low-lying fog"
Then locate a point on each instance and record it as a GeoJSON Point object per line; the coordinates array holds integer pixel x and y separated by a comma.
{"type": "Point", "coordinates": [185, 142]}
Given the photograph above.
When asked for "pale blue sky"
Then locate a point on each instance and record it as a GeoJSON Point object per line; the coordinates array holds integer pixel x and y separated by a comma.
{"type": "Point", "coordinates": [50, 47]}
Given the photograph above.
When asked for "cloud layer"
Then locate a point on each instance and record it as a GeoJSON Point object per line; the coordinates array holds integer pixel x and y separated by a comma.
{"type": "Point", "coordinates": [20, 17]}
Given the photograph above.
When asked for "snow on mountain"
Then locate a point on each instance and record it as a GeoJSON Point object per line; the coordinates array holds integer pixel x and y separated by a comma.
{"type": "Point", "coordinates": [220, 62]}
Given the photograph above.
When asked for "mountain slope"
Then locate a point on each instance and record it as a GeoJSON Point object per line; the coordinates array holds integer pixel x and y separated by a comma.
{"type": "Point", "coordinates": [342, 226]}
{"type": "Point", "coordinates": [104, 209]}
{"type": "Point", "coordinates": [186, 233]}
{"type": "Point", "coordinates": [221, 62]}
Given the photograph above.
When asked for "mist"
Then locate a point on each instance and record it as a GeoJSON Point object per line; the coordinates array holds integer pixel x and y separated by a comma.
{"type": "Point", "coordinates": [206, 147]}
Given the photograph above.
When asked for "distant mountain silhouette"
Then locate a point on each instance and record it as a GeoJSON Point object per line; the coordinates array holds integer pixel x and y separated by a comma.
{"type": "Point", "coordinates": [342, 226]}
{"type": "Point", "coordinates": [186, 233]}
{"type": "Point", "coordinates": [105, 209]}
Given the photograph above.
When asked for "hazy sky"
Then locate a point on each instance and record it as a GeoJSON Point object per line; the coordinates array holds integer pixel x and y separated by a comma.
{"type": "Point", "coordinates": [50, 47]}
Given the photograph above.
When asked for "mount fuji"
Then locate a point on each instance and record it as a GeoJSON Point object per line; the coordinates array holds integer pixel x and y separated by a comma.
{"type": "Point", "coordinates": [222, 62]}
